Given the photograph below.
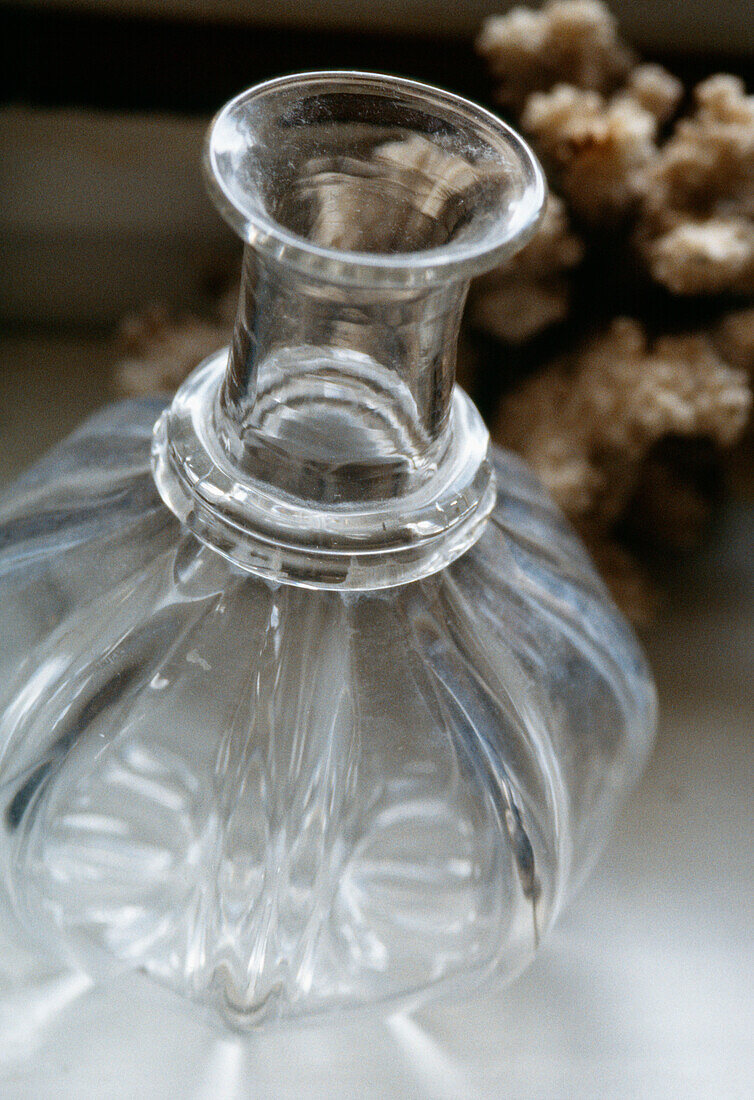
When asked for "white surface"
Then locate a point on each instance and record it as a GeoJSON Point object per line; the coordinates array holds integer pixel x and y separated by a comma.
{"type": "Point", "coordinates": [644, 991]}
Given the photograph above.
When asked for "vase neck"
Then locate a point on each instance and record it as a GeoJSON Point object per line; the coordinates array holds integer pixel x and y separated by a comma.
{"type": "Point", "coordinates": [329, 447]}
{"type": "Point", "coordinates": [338, 394]}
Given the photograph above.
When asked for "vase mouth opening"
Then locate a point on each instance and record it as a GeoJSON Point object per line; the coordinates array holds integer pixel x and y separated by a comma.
{"type": "Point", "coordinates": [368, 180]}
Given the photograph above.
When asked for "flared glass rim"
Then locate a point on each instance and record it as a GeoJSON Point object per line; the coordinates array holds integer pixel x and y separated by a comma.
{"type": "Point", "coordinates": [455, 260]}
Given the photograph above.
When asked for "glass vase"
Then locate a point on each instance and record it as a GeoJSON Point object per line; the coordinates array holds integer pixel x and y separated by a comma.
{"type": "Point", "coordinates": [311, 701]}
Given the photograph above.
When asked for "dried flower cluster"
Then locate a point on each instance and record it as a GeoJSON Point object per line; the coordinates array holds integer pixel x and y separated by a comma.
{"type": "Point", "coordinates": [597, 149]}
{"type": "Point", "coordinates": [696, 226]}
{"type": "Point", "coordinates": [675, 199]}
{"type": "Point", "coordinates": [590, 423]}
{"type": "Point", "coordinates": [592, 112]}
{"type": "Point", "coordinates": [597, 121]}
{"type": "Point", "coordinates": [568, 42]}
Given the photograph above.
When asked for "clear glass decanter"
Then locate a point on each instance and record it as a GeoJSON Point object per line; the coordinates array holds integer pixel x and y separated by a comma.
{"type": "Point", "coordinates": [310, 698]}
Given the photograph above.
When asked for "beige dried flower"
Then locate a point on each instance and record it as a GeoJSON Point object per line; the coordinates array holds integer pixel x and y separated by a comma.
{"type": "Point", "coordinates": [596, 150]}
{"type": "Point", "coordinates": [566, 42]}
{"type": "Point", "coordinates": [157, 351]}
{"type": "Point", "coordinates": [696, 229]}
{"type": "Point", "coordinates": [703, 257]}
{"type": "Point", "coordinates": [530, 291]}
{"type": "Point", "coordinates": [654, 89]}
{"type": "Point", "coordinates": [587, 424]}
